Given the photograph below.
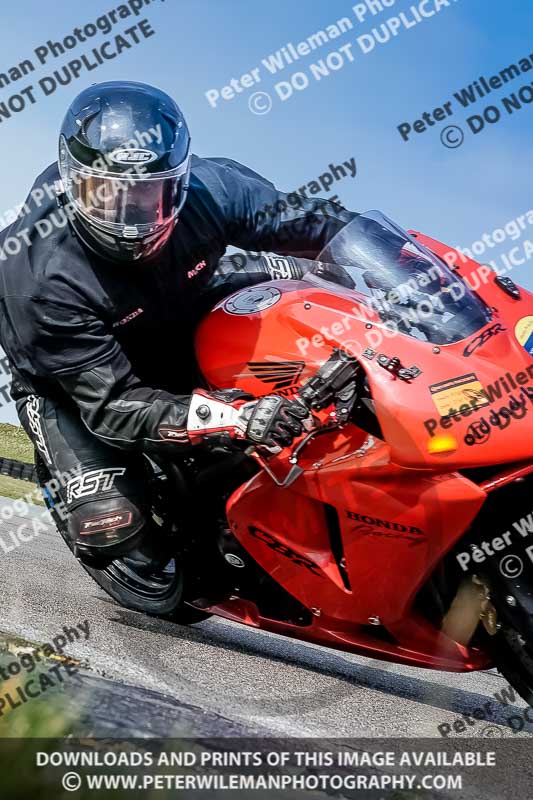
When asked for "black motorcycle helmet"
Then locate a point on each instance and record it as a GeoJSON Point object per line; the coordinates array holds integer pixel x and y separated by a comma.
{"type": "Point", "coordinates": [124, 160]}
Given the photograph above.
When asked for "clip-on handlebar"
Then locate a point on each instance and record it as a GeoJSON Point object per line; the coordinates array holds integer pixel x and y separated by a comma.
{"type": "Point", "coordinates": [334, 382]}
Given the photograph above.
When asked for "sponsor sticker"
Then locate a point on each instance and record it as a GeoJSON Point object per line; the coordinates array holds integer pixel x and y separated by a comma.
{"type": "Point", "coordinates": [279, 267]}
{"type": "Point", "coordinates": [456, 392]}
{"type": "Point", "coordinates": [524, 333]}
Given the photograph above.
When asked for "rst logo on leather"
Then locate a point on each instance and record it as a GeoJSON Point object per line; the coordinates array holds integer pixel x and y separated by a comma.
{"type": "Point", "coordinates": [482, 338]}
{"type": "Point", "coordinates": [96, 480]}
{"type": "Point", "coordinates": [34, 421]}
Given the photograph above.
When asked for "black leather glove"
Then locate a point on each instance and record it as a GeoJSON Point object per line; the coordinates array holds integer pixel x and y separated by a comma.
{"type": "Point", "coordinates": [276, 421]}
{"type": "Point", "coordinates": [271, 421]}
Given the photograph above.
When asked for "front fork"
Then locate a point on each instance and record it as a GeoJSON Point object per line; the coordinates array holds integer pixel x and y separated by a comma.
{"type": "Point", "coordinates": [498, 592]}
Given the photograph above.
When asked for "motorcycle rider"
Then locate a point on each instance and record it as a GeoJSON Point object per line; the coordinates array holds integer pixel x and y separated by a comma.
{"type": "Point", "coordinates": [124, 239]}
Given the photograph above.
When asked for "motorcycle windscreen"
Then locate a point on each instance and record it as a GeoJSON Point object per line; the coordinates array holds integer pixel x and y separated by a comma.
{"type": "Point", "coordinates": [412, 290]}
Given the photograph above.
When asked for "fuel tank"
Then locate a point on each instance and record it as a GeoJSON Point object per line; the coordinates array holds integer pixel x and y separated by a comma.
{"type": "Point", "coordinates": [255, 340]}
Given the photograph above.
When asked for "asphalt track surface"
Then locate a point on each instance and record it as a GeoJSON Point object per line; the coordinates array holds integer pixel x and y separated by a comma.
{"type": "Point", "coordinates": [147, 677]}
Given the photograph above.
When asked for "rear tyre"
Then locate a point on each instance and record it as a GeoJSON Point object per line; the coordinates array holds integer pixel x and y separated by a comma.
{"type": "Point", "coordinates": [160, 594]}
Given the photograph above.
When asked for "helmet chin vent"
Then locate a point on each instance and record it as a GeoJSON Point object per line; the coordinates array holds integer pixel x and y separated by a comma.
{"type": "Point", "coordinates": [130, 232]}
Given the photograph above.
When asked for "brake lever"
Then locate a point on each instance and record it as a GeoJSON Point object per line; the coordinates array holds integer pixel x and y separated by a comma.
{"type": "Point", "coordinates": [334, 382]}
{"type": "Point", "coordinates": [295, 471]}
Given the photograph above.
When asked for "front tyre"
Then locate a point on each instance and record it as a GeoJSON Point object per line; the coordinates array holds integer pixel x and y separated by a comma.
{"type": "Point", "coordinates": [514, 660]}
{"type": "Point", "coordinates": [511, 644]}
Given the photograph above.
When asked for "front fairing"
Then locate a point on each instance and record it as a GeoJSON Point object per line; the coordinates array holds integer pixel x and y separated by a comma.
{"type": "Point", "coordinates": [469, 398]}
{"type": "Point", "coordinates": [487, 378]}
{"type": "Point", "coordinates": [468, 403]}
{"type": "Point", "coordinates": [465, 404]}
{"type": "Point", "coordinates": [458, 410]}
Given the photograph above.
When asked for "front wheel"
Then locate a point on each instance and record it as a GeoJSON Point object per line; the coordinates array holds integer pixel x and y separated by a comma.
{"type": "Point", "coordinates": [511, 625]}
{"type": "Point", "coordinates": [513, 657]}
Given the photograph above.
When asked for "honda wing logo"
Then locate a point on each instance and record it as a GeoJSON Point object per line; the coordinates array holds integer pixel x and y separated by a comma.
{"type": "Point", "coordinates": [280, 373]}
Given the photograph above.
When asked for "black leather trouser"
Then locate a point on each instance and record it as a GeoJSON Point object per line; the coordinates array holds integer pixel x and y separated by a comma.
{"type": "Point", "coordinates": [101, 490]}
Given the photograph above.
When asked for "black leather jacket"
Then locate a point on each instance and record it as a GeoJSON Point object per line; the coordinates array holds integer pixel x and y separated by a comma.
{"type": "Point", "coordinates": [117, 339]}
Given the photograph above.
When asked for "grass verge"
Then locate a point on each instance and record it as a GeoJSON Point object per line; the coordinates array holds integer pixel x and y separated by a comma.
{"type": "Point", "coordinates": [14, 443]}
{"type": "Point", "coordinates": [15, 489]}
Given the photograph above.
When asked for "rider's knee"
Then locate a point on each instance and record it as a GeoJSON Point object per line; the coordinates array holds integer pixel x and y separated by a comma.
{"type": "Point", "coordinates": [106, 528]}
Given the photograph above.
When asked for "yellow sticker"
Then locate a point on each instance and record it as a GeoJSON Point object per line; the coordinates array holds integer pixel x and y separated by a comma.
{"type": "Point", "coordinates": [464, 390]}
{"type": "Point", "coordinates": [524, 333]}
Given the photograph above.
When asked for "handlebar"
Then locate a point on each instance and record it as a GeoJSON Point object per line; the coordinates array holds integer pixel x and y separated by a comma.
{"type": "Point", "coordinates": [334, 382]}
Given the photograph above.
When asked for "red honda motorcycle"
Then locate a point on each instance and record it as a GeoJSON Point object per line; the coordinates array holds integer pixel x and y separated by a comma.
{"type": "Point", "coordinates": [398, 527]}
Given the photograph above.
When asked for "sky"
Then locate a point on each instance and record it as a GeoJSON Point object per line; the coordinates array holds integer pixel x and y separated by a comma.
{"type": "Point", "coordinates": [454, 194]}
